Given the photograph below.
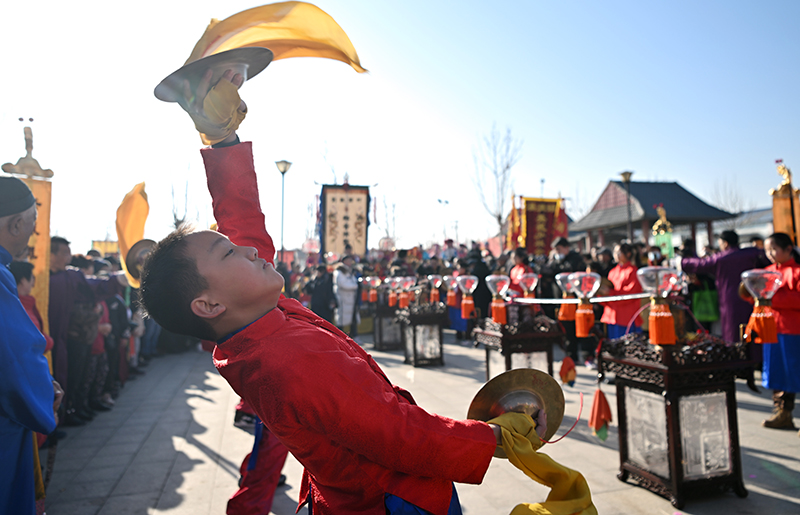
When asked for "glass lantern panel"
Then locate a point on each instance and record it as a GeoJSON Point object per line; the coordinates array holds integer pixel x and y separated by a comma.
{"type": "Point", "coordinates": [537, 360]}
{"type": "Point", "coordinates": [390, 332]}
{"type": "Point", "coordinates": [408, 335]}
{"type": "Point", "coordinates": [646, 418]}
{"type": "Point", "coordinates": [705, 438]}
{"type": "Point", "coordinates": [428, 344]}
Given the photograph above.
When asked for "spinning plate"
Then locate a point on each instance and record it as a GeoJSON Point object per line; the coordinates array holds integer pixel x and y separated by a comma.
{"type": "Point", "coordinates": [522, 390]}
{"type": "Point", "coordinates": [249, 62]}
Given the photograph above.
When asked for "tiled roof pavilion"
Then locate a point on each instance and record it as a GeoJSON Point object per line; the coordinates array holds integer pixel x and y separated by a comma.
{"type": "Point", "coordinates": [609, 216]}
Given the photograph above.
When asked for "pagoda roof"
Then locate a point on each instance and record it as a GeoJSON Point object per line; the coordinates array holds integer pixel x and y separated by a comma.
{"type": "Point", "coordinates": [682, 206]}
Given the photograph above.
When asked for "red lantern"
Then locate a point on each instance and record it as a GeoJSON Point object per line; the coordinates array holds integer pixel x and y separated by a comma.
{"type": "Point", "coordinates": [584, 319]}
{"type": "Point", "coordinates": [762, 324]}
{"type": "Point", "coordinates": [467, 307]}
{"type": "Point", "coordinates": [392, 299]}
{"type": "Point", "coordinates": [404, 298]}
{"type": "Point", "coordinates": [373, 295]}
{"type": "Point", "coordinates": [662, 324]}
{"type": "Point", "coordinates": [434, 295]}
{"type": "Point", "coordinates": [452, 299]}
{"type": "Point", "coordinates": [499, 311]}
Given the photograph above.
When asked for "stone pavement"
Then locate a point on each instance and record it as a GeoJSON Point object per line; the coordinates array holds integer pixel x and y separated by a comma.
{"type": "Point", "coordinates": [169, 447]}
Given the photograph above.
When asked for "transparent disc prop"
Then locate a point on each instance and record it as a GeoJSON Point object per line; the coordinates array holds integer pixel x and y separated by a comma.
{"type": "Point", "coordinates": [762, 285]}
{"type": "Point", "coordinates": [498, 285]}
{"type": "Point", "coordinates": [659, 282]}
{"type": "Point", "coordinates": [435, 280]}
{"type": "Point", "coordinates": [467, 285]}
{"type": "Point", "coordinates": [522, 390]}
{"type": "Point", "coordinates": [452, 290]}
{"type": "Point", "coordinates": [528, 283]}
{"type": "Point", "coordinates": [566, 312]}
{"type": "Point", "coordinates": [583, 285]}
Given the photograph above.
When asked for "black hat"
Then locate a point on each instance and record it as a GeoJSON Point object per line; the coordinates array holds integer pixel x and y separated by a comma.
{"type": "Point", "coordinates": [15, 196]}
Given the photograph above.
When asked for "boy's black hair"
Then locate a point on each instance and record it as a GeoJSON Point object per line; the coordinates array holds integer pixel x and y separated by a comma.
{"type": "Point", "coordinates": [21, 270]}
{"type": "Point", "coordinates": [56, 242]}
{"type": "Point", "coordinates": [170, 282]}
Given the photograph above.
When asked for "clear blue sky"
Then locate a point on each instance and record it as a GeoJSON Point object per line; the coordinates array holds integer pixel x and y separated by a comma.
{"type": "Point", "coordinates": [696, 92]}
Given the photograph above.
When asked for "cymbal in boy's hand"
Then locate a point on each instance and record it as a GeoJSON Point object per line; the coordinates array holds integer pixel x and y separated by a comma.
{"type": "Point", "coordinates": [216, 110]}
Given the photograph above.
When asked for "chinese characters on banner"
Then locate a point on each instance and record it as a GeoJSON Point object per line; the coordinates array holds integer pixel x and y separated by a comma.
{"type": "Point", "coordinates": [344, 210]}
{"type": "Point", "coordinates": [535, 223]}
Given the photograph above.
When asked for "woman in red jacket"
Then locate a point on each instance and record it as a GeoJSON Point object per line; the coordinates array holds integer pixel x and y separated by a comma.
{"type": "Point", "coordinates": [617, 315]}
{"type": "Point", "coordinates": [781, 368]}
{"type": "Point", "coordinates": [520, 268]}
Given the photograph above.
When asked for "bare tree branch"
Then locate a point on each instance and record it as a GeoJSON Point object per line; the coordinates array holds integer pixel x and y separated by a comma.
{"type": "Point", "coordinates": [728, 197]}
{"type": "Point", "coordinates": [493, 158]}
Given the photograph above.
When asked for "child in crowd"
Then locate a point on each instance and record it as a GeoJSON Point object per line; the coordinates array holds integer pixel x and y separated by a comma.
{"type": "Point", "coordinates": [365, 444]}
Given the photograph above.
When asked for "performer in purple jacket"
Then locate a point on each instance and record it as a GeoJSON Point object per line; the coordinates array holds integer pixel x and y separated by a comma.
{"type": "Point", "coordinates": [727, 267]}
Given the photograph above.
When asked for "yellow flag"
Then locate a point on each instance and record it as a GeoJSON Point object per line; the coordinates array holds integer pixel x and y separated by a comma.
{"type": "Point", "coordinates": [289, 29]}
{"type": "Point", "coordinates": [131, 216]}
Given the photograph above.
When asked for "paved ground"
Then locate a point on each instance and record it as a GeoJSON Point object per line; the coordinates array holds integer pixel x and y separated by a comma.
{"type": "Point", "coordinates": [169, 447]}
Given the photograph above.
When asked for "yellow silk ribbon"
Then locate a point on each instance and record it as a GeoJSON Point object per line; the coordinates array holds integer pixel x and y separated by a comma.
{"type": "Point", "coordinates": [569, 492]}
{"type": "Point", "coordinates": [289, 29]}
{"type": "Point", "coordinates": [131, 217]}
{"type": "Point", "coordinates": [222, 113]}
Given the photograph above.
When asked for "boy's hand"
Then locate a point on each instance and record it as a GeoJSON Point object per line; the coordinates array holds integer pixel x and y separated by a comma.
{"type": "Point", "coordinates": [216, 111]}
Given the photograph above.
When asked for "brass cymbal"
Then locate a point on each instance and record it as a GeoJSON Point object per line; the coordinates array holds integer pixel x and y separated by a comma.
{"type": "Point", "coordinates": [136, 256]}
{"type": "Point", "coordinates": [522, 390]}
{"type": "Point", "coordinates": [248, 61]}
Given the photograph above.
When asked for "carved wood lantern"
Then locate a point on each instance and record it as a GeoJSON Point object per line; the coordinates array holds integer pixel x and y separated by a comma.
{"type": "Point", "coordinates": [678, 429]}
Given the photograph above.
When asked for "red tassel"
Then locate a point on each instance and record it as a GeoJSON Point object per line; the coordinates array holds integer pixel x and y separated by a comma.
{"type": "Point", "coordinates": [434, 296]}
{"type": "Point", "coordinates": [762, 324]}
{"type": "Point", "coordinates": [499, 311]}
{"type": "Point", "coordinates": [662, 325]}
{"type": "Point", "coordinates": [403, 299]}
{"type": "Point", "coordinates": [392, 299]}
{"type": "Point", "coordinates": [584, 320]}
{"type": "Point", "coordinates": [601, 415]}
{"type": "Point", "coordinates": [373, 295]}
{"type": "Point", "coordinates": [467, 307]}
{"type": "Point", "coordinates": [566, 312]}
{"type": "Point", "coordinates": [452, 299]}
{"type": "Point", "coordinates": [568, 371]}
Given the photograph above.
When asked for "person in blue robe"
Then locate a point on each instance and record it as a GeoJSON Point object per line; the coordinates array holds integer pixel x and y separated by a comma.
{"type": "Point", "coordinates": [28, 394]}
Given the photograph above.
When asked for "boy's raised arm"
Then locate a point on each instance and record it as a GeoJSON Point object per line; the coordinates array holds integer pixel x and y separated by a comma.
{"type": "Point", "coordinates": [217, 111]}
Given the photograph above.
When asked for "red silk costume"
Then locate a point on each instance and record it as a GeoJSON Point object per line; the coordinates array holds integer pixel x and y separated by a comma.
{"type": "Point", "coordinates": [623, 277]}
{"type": "Point", "coordinates": [324, 398]}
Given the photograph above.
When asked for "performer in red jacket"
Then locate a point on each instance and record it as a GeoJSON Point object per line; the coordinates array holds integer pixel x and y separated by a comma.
{"type": "Point", "coordinates": [364, 442]}
{"type": "Point", "coordinates": [617, 315]}
{"type": "Point", "coordinates": [782, 359]}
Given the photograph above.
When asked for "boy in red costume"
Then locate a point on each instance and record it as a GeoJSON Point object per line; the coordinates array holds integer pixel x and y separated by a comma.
{"type": "Point", "coordinates": [365, 444]}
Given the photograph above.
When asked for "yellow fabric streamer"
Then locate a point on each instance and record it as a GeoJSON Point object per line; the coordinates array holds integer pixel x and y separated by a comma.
{"type": "Point", "coordinates": [569, 492]}
{"type": "Point", "coordinates": [289, 29]}
{"type": "Point", "coordinates": [131, 216]}
{"type": "Point", "coordinates": [223, 113]}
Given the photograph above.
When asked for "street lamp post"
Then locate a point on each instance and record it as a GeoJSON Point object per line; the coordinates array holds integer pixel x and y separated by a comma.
{"type": "Point", "coordinates": [283, 167]}
{"type": "Point", "coordinates": [626, 178]}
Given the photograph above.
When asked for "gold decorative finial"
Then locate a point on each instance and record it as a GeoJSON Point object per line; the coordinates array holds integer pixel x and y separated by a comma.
{"type": "Point", "coordinates": [27, 166]}
{"type": "Point", "coordinates": [662, 226]}
{"type": "Point", "coordinates": [785, 187]}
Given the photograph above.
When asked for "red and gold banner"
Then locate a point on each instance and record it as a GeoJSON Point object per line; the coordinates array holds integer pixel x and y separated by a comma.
{"type": "Point", "coordinates": [536, 223]}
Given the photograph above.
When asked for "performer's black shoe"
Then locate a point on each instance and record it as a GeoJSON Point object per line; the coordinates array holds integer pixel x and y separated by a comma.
{"type": "Point", "coordinates": [282, 480]}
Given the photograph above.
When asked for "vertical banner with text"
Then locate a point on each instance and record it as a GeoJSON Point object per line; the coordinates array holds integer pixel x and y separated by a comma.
{"type": "Point", "coordinates": [544, 220]}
